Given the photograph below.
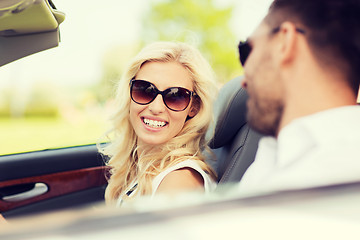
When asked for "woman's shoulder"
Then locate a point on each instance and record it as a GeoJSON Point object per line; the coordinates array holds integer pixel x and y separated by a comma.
{"type": "Point", "coordinates": [182, 179]}
{"type": "Point", "coordinates": [185, 175]}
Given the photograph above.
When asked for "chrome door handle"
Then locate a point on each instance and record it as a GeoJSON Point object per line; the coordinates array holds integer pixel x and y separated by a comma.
{"type": "Point", "coordinates": [39, 189]}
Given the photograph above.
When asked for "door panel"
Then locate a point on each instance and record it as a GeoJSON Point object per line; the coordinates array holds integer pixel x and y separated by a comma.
{"type": "Point", "coordinates": [47, 180]}
{"type": "Point", "coordinates": [74, 200]}
{"type": "Point", "coordinates": [38, 163]}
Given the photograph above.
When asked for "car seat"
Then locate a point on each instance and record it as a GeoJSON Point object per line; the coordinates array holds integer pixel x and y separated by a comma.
{"type": "Point", "coordinates": [233, 142]}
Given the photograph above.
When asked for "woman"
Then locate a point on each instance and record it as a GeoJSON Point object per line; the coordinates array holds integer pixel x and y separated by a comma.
{"type": "Point", "coordinates": [164, 108]}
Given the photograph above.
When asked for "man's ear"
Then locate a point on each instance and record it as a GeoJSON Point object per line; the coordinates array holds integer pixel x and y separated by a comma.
{"type": "Point", "coordinates": [288, 35]}
{"type": "Point", "coordinates": [195, 106]}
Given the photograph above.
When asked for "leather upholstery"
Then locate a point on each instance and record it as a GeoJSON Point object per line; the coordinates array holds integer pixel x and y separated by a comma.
{"type": "Point", "coordinates": [234, 142]}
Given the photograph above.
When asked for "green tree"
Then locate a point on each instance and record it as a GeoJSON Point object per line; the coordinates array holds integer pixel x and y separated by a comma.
{"type": "Point", "coordinates": [199, 23]}
{"type": "Point", "coordinates": [113, 64]}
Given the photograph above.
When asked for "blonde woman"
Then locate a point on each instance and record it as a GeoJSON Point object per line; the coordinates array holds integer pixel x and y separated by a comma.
{"type": "Point", "coordinates": [164, 108]}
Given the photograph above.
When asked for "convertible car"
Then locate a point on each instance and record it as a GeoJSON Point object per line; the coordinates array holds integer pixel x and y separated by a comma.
{"type": "Point", "coordinates": [56, 193]}
{"type": "Point", "coordinates": [58, 178]}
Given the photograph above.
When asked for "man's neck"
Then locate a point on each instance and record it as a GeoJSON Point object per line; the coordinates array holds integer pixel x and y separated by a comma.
{"type": "Point", "coordinates": [315, 93]}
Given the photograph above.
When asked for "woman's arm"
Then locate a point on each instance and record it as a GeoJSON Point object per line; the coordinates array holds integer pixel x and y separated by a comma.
{"type": "Point", "coordinates": [2, 219]}
{"type": "Point", "coordinates": [184, 179]}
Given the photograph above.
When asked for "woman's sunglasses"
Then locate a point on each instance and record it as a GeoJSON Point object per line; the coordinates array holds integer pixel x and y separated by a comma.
{"type": "Point", "coordinates": [175, 98]}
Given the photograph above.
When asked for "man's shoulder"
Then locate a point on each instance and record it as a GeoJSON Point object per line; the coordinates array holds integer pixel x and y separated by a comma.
{"type": "Point", "coordinates": [342, 121]}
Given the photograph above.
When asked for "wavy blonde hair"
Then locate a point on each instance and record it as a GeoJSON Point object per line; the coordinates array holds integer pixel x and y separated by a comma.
{"type": "Point", "coordinates": [129, 165]}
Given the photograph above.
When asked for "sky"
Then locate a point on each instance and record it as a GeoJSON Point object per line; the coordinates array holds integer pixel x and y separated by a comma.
{"type": "Point", "coordinates": [92, 28]}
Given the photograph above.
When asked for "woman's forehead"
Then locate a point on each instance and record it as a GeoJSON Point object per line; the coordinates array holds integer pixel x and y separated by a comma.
{"type": "Point", "coordinates": [165, 74]}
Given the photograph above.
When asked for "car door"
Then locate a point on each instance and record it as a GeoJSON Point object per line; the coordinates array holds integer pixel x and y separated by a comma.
{"type": "Point", "coordinates": [46, 180]}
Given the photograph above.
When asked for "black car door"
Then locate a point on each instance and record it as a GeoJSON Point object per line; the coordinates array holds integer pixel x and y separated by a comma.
{"type": "Point", "coordinates": [51, 179]}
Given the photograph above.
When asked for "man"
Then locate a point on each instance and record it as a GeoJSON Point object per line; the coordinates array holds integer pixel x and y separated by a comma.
{"type": "Point", "coordinates": [302, 72]}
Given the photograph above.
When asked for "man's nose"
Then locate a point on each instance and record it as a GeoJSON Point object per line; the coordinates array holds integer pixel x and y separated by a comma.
{"type": "Point", "coordinates": [157, 106]}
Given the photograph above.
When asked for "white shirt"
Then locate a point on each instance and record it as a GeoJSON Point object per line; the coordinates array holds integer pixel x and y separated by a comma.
{"type": "Point", "coordinates": [209, 183]}
{"type": "Point", "coordinates": [316, 150]}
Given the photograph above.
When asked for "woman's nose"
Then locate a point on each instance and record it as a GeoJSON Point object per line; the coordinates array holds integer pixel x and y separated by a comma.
{"type": "Point", "coordinates": [157, 106]}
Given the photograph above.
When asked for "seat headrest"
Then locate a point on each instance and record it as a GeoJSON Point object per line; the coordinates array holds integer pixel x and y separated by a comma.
{"type": "Point", "coordinates": [230, 112]}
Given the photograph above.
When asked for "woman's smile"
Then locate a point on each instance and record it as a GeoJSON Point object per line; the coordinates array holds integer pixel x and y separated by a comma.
{"type": "Point", "coordinates": [153, 123]}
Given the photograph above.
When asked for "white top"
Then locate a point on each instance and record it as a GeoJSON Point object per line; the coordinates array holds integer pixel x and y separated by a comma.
{"type": "Point", "coordinates": [209, 183]}
{"type": "Point", "coordinates": [316, 150]}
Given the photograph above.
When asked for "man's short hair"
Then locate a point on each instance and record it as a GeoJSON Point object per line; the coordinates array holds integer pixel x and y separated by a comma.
{"type": "Point", "coordinates": [332, 30]}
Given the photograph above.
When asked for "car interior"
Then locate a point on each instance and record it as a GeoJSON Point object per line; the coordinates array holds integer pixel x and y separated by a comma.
{"type": "Point", "coordinates": [46, 180]}
{"type": "Point", "coordinates": [61, 178]}
{"type": "Point", "coordinates": [54, 179]}
{"type": "Point", "coordinates": [74, 177]}
{"type": "Point", "coordinates": [234, 142]}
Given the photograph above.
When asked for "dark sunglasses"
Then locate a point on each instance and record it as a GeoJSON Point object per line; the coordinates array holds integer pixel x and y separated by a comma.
{"type": "Point", "coordinates": [245, 47]}
{"type": "Point", "coordinates": [175, 98]}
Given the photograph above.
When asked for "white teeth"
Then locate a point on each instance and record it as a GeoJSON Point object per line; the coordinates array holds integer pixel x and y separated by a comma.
{"type": "Point", "coordinates": [154, 124]}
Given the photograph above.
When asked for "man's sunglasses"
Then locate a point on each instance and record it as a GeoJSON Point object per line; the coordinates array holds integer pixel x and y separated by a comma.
{"type": "Point", "coordinates": [245, 47]}
{"type": "Point", "coordinates": [175, 98]}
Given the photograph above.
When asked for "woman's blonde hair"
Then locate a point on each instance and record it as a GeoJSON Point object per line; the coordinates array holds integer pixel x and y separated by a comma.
{"type": "Point", "coordinates": [129, 165]}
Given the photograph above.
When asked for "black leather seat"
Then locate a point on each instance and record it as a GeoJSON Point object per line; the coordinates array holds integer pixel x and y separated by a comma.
{"type": "Point", "coordinates": [234, 142]}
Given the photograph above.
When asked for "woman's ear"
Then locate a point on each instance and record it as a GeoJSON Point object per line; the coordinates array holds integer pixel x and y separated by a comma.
{"type": "Point", "coordinates": [195, 106]}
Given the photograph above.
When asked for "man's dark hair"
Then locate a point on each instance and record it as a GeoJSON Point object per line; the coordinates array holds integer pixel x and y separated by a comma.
{"type": "Point", "coordinates": [332, 28]}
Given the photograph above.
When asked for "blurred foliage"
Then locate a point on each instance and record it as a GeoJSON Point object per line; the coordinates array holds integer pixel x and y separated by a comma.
{"type": "Point", "coordinates": [114, 62]}
{"type": "Point", "coordinates": [48, 116]}
{"type": "Point", "coordinates": [200, 23]}
{"type": "Point", "coordinates": [40, 100]}
{"type": "Point", "coordinates": [38, 133]}
{"type": "Point", "coordinates": [4, 103]}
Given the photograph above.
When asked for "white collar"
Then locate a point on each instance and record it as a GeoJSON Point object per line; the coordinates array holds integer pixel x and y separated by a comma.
{"type": "Point", "coordinates": [304, 134]}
